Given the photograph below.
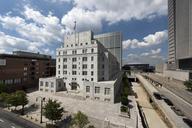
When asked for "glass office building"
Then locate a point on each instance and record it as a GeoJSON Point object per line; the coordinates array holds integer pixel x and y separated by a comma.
{"type": "Point", "coordinates": [112, 42]}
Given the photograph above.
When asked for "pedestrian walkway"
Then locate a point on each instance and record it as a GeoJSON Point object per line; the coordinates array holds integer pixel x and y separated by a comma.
{"type": "Point", "coordinates": [151, 115]}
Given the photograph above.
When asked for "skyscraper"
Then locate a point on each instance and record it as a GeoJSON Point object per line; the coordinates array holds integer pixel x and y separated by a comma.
{"type": "Point", "coordinates": [180, 34]}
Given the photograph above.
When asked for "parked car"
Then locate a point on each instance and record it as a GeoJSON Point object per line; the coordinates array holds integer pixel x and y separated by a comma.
{"type": "Point", "coordinates": [157, 95]}
{"type": "Point", "coordinates": [177, 111]}
{"type": "Point", "coordinates": [169, 102]}
{"type": "Point", "coordinates": [188, 121]}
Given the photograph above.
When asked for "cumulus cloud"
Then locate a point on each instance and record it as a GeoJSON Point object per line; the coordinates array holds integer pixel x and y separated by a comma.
{"type": "Point", "coordinates": [151, 39]}
{"type": "Point", "coordinates": [35, 31]}
{"type": "Point", "coordinates": [46, 29]}
{"type": "Point", "coordinates": [152, 57]}
{"type": "Point", "coordinates": [93, 12]}
{"type": "Point", "coordinates": [154, 52]}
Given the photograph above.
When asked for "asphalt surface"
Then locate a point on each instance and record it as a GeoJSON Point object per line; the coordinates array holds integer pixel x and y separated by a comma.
{"type": "Point", "coordinates": [177, 94]}
{"type": "Point", "coordinates": [11, 120]}
{"type": "Point", "coordinates": [174, 119]}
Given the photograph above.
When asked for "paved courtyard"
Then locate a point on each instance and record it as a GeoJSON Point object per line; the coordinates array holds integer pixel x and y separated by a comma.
{"type": "Point", "coordinates": [94, 109]}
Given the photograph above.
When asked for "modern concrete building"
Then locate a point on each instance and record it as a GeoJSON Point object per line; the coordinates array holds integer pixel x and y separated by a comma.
{"type": "Point", "coordinates": [87, 67]}
{"type": "Point", "coordinates": [112, 42]}
{"type": "Point", "coordinates": [23, 69]}
{"type": "Point", "coordinates": [180, 34]}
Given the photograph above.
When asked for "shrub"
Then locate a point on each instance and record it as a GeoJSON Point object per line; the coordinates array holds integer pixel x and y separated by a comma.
{"type": "Point", "coordinates": [124, 109]}
{"type": "Point", "coordinates": [124, 100]}
{"type": "Point", "coordinates": [188, 85]}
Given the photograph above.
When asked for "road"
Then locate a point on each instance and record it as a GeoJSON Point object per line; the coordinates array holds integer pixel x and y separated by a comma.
{"type": "Point", "coordinates": [175, 120]}
{"type": "Point", "coordinates": [178, 101]}
{"type": "Point", "coordinates": [11, 120]}
{"type": "Point", "coordinates": [151, 115]}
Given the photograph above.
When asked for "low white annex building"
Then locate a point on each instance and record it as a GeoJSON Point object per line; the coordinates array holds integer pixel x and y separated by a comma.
{"type": "Point", "coordinates": [88, 65]}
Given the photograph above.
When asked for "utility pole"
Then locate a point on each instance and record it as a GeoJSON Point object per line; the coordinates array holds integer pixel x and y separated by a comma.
{"type": "Point", "coordinates": [41, 105]}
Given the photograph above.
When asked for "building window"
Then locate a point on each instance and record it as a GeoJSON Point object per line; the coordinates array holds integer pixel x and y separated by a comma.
{"type": "Point", "coordinates": [92, 50]}
{"type": "Point", "coordinates": [67, 45]}
{"type": "Point", "coordinates": [64, 52]}
{"type": "Point", "coordinates": [97, 98]}
{"type": "Point", "coordinates": [46, 84]}
{"type": "Point", "coordinates": [81, 44]}
{"type": "Point", "coordinates": [74, 52]}
{"type": "Point", "coordinates": [74, 66]}
{"type": "Point", "coordinates": [64, 72]}
{"type": "Point", "coordinates": [74, 72]}
{"type": "Point", "coordinates": [41, 89]}
{"type": "Point", "coordinates": [92, 73]}
{"type": "Point", "coordinates": [71, 45]}
{"type": "Point", "coordinates": [91, 79]}
{"type": "Point", "coordinates": [107, 91]}
{"type": "Point", "coordinates": [64, 59]}
{"type": "Point", "coordinates": [87, 88]}
{"type": "Point", "coordinates": [97, 89]}
{"type": "Point", "coordinates": [92, 66]}
{"type": "Point", "coordinates": [107, 100]}
{"type": "Point", "coordinates": [52, 84]}
{"type": "Point", "coordinates": [84, 66]}
{"type": "Point", "coordinates": [74, 59]}
{"type": "Point", "coordinates": [64, 66]}
{"type": "Point", "coordinates": [103, 66]}
{"type": "Point", "coordinates": [41, 83]}
{"type": "Point", "coordinates": [86, 43]}
{"type": "Point", "coordinates": [84, 58]}
{"type": "Point", "coordinates": [58, 66]}
{"type": "Point", "coordinates": [58, 59]}
{"type": "Point", "coordinates": [59, 52]}
{"type": "Point", "coordinates": [58, 72]}
{"type": "Point", "coordinates": [92, 58]}
{"type": "Point", "coordinates": [84, 72]}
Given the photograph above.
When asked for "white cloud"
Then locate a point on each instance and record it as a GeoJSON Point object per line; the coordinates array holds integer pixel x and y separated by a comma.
{"type": "Point", "coordinates": [93, 12]}
{"type": "Point", "coordinates": [35, 30]}
{"type": "Point", "coordinates": [152, 52]}
{"type": "Point", "coordinates": [152, 57]}
{"type": "Point", "coordinates": [151, 39]}
{"type": "Point", "coordinates": [46, 29]}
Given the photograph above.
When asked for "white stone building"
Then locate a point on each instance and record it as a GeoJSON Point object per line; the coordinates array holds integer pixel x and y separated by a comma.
{"type": "Point", "coordinates": [85, 66]}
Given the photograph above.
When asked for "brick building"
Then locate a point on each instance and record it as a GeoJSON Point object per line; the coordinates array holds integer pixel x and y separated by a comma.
{"type": "Point", "coordinates": [23, 69]}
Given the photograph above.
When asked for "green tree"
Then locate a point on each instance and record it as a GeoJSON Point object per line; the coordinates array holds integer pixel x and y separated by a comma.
{"type": "Point", "coordinates": [80, 120]}
{"type": "Point", "coordinates": [3, 88]}
{"type": "Point", "coordinates": [188, 85]}
{"type": "Point", "coordinates": [22, 99]}
{"type": "Point", "coordinates": [12, 100]}
{"type": "Point", "coordinates": [3, 98]}
{"type": "Point", "coordinates": [124, 100]}
{"type": "Point", "coordinates": [53, 110]}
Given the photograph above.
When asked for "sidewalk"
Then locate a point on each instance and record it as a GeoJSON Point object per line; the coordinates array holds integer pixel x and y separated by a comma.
{"type": "Point", "coordinates": [151, 115]}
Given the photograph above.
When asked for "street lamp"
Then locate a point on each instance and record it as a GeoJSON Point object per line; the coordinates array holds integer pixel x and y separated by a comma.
{"type": "Point", "coordinates": [42, 100]}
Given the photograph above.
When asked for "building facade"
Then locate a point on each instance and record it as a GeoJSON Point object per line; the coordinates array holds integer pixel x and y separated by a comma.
{"type": "Point", "coordinates": [23, 69]}
{"type": "Point", "coordinates": [180, 34]}
{"type": "Point", "coordinates": [84, 61]}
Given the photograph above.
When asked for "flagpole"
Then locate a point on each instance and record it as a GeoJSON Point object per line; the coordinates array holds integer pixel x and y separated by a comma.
{"type": "Point", "coordinates": [75, 31]}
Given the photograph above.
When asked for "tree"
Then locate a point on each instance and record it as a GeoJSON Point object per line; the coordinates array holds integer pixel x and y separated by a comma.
{"type": "Point", "coordinates": [80, 120]}
{"type": "Point", "coordinates": [188, 85]}
{"type": "Point", "coordinates": [3, 88]}
{"type": "Point", "coordinates": [12, 100]}
{"type": "Point", "coordinates": [124, 100]}
{"type": "Point", "coordinates": [53, 111]}
{"type": "Point", "coordinates": [3, 98]}
{"type": "Point", "coordinates": [22, 99]}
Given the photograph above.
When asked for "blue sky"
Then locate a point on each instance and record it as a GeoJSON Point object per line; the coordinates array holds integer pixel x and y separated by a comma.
{"type": "Point", "coordinates": [40, 25]}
